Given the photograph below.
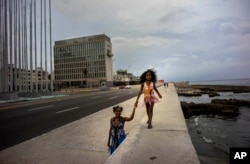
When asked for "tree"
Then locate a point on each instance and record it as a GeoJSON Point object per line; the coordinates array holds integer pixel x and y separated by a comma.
{"type": "Point", "coordinates": [121, 72]}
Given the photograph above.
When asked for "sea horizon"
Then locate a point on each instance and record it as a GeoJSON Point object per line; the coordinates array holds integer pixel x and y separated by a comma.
{"type": "Point", "coordinates": [234, 82]}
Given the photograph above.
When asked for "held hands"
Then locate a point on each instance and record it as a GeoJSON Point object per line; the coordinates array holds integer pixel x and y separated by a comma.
{"type": "Point", "coordinates": [136, 103]}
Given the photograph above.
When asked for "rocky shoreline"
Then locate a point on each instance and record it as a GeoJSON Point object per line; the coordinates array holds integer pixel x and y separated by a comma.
{"type": "Point", "coordinates": [217, 106]}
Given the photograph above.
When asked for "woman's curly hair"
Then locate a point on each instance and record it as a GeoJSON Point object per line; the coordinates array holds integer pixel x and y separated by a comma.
{"type": "Point", "coordinates": [153, 76]}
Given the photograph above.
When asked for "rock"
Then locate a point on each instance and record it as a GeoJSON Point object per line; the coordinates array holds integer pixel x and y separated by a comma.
{"type": "Point", "coordinates": [198, 131]}
{"type": "Point", "coordinates": [213, 94]}
{"type": "Point", "coordinates": [184, 89]}
{"type": "Point", "coordinates": [208, 109]}
{"type": "Point", "coordinates": [231, 102]}
{"type": "Point", "coordinates": [189, 94]}
{"type": "Point", "coordinates": [222, 88]}
{"type": "Point", "coordinates": [217, 106]}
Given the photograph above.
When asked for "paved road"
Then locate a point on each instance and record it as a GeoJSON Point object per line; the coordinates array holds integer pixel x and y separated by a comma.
{"type": "Point", "coordinates": [22, 121]}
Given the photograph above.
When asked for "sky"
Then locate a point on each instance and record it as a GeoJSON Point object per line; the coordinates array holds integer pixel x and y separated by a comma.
{"type": "Point", "coordinates": [183, 40]}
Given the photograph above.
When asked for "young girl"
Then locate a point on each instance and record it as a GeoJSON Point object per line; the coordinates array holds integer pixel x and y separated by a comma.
{"type": "Point", "coordinates": [147, 81]}
{"type": "Point", "coordinates": [116, 131]}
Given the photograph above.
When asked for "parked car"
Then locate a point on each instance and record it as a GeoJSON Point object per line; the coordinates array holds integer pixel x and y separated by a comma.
{"type": "Point", "coordinates": [82, 86]}
{"type": "Point", "coordinates": [127, 87]}
{"type": "Point", "coordinates": [121, 87]}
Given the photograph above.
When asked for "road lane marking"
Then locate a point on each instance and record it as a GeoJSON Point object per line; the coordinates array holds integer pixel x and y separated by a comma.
{"type": "Point", "coordinates": [40, 108]}
{"type": "Point", "coordinates": [66, 110]}
{"type": "Point", "coordinates": [95, 97]}
{"type": "Point", "coordinates": [113, 97]}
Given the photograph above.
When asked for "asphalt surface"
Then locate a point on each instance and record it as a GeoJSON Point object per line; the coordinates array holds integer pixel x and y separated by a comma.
{"type": "Point", "coordinates": [22, 121]}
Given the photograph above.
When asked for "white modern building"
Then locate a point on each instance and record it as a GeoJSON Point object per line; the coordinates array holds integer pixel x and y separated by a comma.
{"type": "Point", "coordinates": [84, 61]}
{"type": "Point", "coordinates": [126, 78]}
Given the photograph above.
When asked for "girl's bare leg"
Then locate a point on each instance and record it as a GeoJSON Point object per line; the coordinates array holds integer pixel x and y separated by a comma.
{"type": "Point", "coordinates": [150, 115]}
{"type": "Point", "coordinates": [147, 109]}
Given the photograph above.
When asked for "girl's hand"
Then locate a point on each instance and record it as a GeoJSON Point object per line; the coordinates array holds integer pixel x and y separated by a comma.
{"type": "Point", "coordinates": [136, 103]}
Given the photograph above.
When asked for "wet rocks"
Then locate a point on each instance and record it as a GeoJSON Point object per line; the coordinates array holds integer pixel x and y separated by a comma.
{"type": "Point", "coordinates": [231, 102]}
{"type": "Point", "coordinates": [221, 88]}
{"type": "Point", "coordinates": [213, 94]}
{"type": "Point", "coordinates": [217, 106]}
{"type": "Point", "coordinates": [190, 109]}
{"type": "Point", "coordinates": [224, 107]}
{"type": "Point", "coordinates": [185, 89]}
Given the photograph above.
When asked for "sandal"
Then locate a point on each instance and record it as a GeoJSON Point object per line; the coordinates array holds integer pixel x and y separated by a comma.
{"type": "Point", "coordinates": [149, 126]}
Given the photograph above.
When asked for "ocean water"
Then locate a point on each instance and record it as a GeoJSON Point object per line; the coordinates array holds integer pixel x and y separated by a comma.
{"type": "Point", "coordinates": [212, 136]}
{"type": "Point", "coordinates": [234, 82]}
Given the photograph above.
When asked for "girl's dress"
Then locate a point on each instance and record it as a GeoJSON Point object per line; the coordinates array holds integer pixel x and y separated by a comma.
{"type": "Point", "coordinates": [117, 135]}
{"type": "Point", "coordinates": [149, 96]}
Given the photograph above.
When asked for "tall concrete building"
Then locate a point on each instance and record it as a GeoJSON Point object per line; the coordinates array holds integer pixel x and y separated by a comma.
{"type": "Point", "coordinates": [83, 62]}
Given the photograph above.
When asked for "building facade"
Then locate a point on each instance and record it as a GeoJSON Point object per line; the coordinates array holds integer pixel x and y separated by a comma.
{"type": "Point", "coordinates": [24, 80]}
{"type": "Point", "coordinates": [83, 62]}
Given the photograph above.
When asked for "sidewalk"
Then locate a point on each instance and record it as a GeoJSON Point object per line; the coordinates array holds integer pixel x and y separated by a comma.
{"type": "Point", "coordinates": [168, 142]}
{"type": "Point", "coordinates": [85, 140]}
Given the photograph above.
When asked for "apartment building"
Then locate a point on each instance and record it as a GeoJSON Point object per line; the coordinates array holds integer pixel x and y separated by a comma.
{"type": "Point", "coordinates": [84, 61]}
{"type": "Point", "coordinates": [24, 80]}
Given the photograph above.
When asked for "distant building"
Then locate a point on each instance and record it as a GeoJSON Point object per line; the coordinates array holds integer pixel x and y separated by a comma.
{"type": "Point", "coordinates": [40, 77]}
{"type": "Point", "coordinates": [25, 80]}
{"type": "Point", "coordinates": [84, 61]}
{"type": "Point", "coordinates": [124, 78]}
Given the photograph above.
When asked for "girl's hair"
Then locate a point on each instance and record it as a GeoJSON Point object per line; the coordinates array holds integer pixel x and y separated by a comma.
{"type": "Point", "coordinates": [153, 76]}
{"type": "Point", "coordinates": [115, 107]}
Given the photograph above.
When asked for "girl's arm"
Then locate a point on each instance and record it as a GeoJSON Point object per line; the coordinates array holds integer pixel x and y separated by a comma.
{"type": "Point", "coordinates": [157, 91]}
{"type": "Point", "coordinates": [138, 96]}
{"type": "Point", "coordinates": [131, 116]}
{"type": "Point", "coordinates": [108, 144]}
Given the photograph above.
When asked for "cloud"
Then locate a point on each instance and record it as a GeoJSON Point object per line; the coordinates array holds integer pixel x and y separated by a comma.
{"type": "Point", "coordinates": [182, 40]}
{"type": "Point", "coordinates": [235, 27]}
{"type": "Point", "coordinates": [131, 43]}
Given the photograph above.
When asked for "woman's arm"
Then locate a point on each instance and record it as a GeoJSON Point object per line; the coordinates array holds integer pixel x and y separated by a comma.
{"type": "Point", "coordinates": [138, 96]}
{"type": "Point", "coordinates": [157, 91]}
{"type": "Point", "coordinates": [131, 116]}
